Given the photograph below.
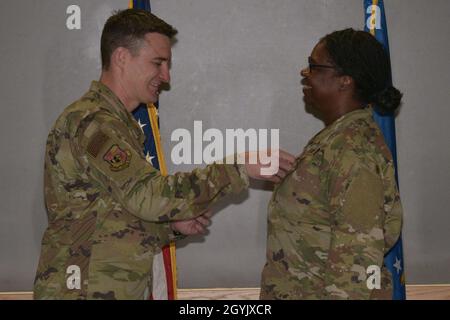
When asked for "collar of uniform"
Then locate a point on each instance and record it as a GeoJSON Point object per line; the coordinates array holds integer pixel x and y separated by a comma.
{"type": "Point", "coordinates": [117, 106]}
{"type": "Point", "coordinates": [341, 123]}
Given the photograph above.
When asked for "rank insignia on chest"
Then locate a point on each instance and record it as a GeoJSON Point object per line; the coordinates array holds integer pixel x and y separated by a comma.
{"type": "Point", "coordinates": [117, 158]}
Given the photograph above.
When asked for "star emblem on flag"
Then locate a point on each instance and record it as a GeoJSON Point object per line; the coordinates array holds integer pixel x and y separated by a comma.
{"type": "Point", "coordinates": [398, 265]}
{"type": "Point", "coordinates": [149, 158]}
{"type": "Point", "coordinates": [142, 125]}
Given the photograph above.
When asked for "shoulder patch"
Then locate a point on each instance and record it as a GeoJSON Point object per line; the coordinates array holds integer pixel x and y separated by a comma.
{"type": "Point", "coordinates": [117, 158]}
{"type": "Point", "coordinates": [97, 142]}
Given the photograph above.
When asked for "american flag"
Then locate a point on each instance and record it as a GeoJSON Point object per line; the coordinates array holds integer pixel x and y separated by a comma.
{"type": "Point", "coordinates": [164, 263]}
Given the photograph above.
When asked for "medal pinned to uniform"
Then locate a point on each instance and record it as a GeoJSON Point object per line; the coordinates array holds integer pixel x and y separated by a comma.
{"type": "Point", "coordinates": [117, 158]}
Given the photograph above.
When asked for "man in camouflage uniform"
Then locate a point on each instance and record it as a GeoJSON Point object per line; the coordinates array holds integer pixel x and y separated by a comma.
{"type": "Point", "coordinates": [109, 210]}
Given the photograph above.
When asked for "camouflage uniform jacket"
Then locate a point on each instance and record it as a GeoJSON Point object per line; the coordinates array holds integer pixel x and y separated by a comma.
{"type": "Point", "coordinates": [337, 213]}
{"type": "Point", "coordinates": [108, 208]}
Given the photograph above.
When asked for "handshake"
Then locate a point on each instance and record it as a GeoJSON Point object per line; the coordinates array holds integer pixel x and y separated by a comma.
{"type": "Point", "coordinates": [271, 166]}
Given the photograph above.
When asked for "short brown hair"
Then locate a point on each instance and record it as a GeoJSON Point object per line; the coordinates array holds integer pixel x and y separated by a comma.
{"type": "Point", "coordinates": [127, 28]}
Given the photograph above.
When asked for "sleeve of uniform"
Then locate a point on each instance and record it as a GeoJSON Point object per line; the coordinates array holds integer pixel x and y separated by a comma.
{"type": "Point", "coordinates": [394, 217]}
{"type": "Point", "coordinates": [113, 158]}
{"type": "Point", "coordinates": [357, 220]}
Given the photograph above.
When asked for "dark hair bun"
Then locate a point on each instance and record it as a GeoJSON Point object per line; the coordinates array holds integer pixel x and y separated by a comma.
{"type": "Point", "coordinates": [387, 100]}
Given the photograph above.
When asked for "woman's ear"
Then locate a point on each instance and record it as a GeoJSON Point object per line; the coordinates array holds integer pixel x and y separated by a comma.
{"type": "Point", "coordinates": [346, 83]}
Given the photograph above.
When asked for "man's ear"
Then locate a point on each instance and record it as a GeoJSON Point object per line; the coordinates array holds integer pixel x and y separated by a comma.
{"type": "Point", "coordinates": [119, 57]}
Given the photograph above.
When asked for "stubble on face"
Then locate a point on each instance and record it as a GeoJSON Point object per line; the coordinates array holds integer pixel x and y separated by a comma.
{"type": "Point", "coordinates": [148, 68]}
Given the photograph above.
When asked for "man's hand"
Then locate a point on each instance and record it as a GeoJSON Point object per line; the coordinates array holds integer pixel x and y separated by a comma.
{"type": "Point", "coordinates": [193, 226]}
{"type": "Point", "coordinates": [275, 174]}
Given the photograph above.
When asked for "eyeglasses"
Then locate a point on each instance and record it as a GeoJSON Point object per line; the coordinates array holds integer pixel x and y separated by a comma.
{"type": "Point", "coordinates": [311, 65]}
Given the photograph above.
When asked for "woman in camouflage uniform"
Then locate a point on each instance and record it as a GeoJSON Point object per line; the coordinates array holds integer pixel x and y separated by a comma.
{"type": "Point", "coordinates": [336, 215]}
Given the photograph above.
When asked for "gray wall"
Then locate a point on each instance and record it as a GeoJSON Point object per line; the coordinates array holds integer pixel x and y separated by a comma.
{"type": "Point", "coordinates": [235, 64]}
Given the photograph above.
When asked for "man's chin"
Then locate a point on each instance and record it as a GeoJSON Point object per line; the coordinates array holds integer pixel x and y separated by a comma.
{"type": "Point", "coordinates": [154, 98]}
{"type": "Point", "coordinates": [150, 100]}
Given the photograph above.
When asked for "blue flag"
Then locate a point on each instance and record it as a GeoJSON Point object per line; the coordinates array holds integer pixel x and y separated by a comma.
{"type": "Point", "coordinates": [141, 4]}
{"type": "Point", "coordinates": [375, 23]}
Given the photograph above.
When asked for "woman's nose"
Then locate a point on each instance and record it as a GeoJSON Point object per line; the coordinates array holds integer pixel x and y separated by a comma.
{"type": "Point", "coordinates": [304, 72]}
